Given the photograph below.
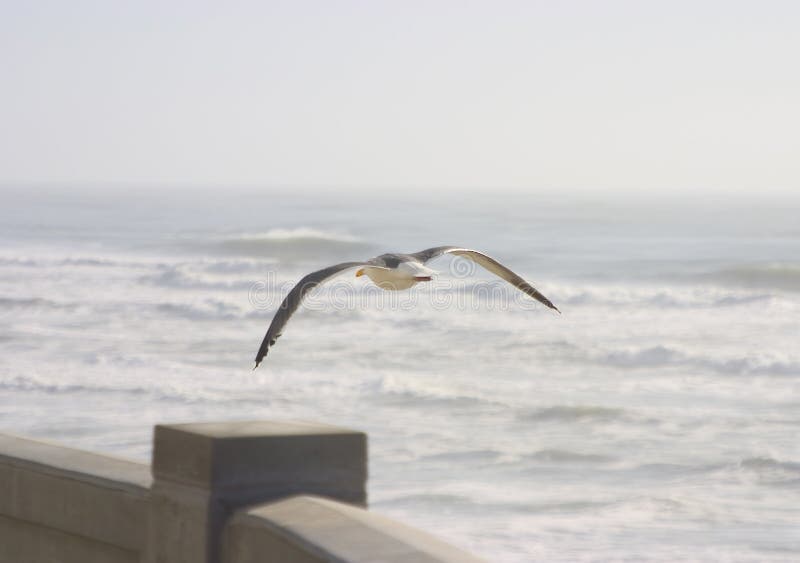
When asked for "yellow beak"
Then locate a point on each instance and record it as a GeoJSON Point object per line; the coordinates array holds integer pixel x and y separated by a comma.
{"type": "Point", "coordinates": [360, 273]}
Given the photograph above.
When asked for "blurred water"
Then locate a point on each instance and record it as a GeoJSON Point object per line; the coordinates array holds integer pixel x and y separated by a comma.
{"type": "Point", "coordinates": [656, 419]}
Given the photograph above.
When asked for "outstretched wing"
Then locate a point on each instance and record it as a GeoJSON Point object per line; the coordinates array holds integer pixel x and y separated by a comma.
{"type": "Point", "coordinates": [486, 262]}
{"type": "Point", "coordinates": [431, 253]}
{"type": "Point", "coordinates": [292, 301]}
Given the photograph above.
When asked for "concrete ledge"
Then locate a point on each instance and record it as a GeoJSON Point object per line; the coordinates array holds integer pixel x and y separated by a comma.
{"type": "Point", "coordinates": [307, 529]}
{"type": "Point", "coordinates": [204, 472]}
{"type": "Point", "coordinates": [98, 497]}
{"type": "Point", "coordinates": [260, 460]}
{"type": "Point", "coordinates": [47, 457]}
{"type": "Point", "coordinates": [23, 542]}
{"type": "Point", "coordinates": [62, 505]}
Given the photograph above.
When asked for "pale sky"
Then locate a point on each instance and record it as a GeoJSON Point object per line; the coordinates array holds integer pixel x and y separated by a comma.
{"type": "Point", "coordinates": [529, 94]}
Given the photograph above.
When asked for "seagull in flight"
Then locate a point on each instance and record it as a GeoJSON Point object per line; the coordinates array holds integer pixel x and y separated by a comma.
{"type": "Point", "coordinates": [391, 272]}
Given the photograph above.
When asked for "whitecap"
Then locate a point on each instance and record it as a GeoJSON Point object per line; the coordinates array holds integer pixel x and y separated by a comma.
{"type": "Point", "coordinates": [566, 457]}
{"type": "Point", "coordinates": [779, 275]}
{"type": "Point", "coordinates": [572, 413]}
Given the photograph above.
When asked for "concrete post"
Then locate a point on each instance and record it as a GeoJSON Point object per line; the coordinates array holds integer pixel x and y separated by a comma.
{"type": "Point", "coordinates": [203, 472]}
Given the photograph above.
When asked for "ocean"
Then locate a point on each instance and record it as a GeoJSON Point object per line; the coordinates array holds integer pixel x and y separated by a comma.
{"type": "Point", "coordinates": [656, 419]}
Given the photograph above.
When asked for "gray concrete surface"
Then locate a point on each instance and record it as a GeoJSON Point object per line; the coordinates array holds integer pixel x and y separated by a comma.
{"type": "Point", "coordinates": [260, 460]}
{"type": "Point", "coordinates": [307, 529]}
{"type": "Point", "coordinates": [233, 480]}
{"type": "Point", "coordinates": [204, 472]}
{"type": "Point", "coordinates": [70, 503]}
{"type": "Point", "coordinates": [24, 542]}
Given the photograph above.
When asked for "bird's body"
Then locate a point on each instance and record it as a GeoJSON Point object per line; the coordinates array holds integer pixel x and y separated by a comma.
{"type": "Point", "coordinates": [396, 271]}
{"type": "Point", "coordinates": [392, 272]}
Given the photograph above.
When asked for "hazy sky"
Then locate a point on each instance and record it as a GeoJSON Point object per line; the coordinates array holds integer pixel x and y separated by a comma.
{"type": "Point", "coordinates": [530, 94]}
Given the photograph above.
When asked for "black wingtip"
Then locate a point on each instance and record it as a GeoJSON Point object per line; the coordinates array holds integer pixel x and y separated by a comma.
{"type": "Point", "coordinates": [255, 366]}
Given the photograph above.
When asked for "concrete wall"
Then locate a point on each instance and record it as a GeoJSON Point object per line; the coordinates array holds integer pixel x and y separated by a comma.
{"type": "Point", "coordinates": [306, 529]}
{"type": "Point", "coordinates": [59, 504]}
{"type": "Point", "coordinates": [235, 492]}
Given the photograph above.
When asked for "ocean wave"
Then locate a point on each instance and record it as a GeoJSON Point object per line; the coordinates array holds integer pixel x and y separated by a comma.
{"type": "Point", "coordinates": [782, 275]}
{"type": "Point", "coordinates": [391, 392]}
{"type": "Point", "coordinates": [94, 262]}
{"type": "Point", "coordinates": [768, 471]}
{"type": "Point", "coordinates": [471, 456]}
{"type": "Point", "coordinates": [671, 470]}
{"type": "Point", "coordinates": [659, 298]}
{"type": "Point", "coordinates": [81, 261]}
{"type": "Point", "coordinates": [431, 399]}
{"type": "Point", "coordinates": [769, 463]}
{"type": "Point", "coordinates": [643, 357]}
{"type": "Point", "coordinates": [209, 309]}
{"type": "Point", "coordinates": [7, 303]}
{"type": "Point", "coordinates": [447, 502]}
{"type": "Point", "coordinates": [565, 457]}
{"type": "Point", "coordinates": [427, 499]}
{"type": "Point", "coordinates": [664, 356]}
{"type": "Point", "coordinates": [169, 394]}
{"type": "Point", "coordinates": [572, 413]}
{"type": "Point", "coordinates": [292, 245]}
{"type": "Point", "coordinates": [299, 233]}
{"type": "Point", "coordinates": [186, 276]}
{"type": "Point", "coordinates": [206, 309]}
{"type": "Point", "coordinates": [19, 261]}
{"type": "Point", "coordinates": [23, 383]}
{"type": "Point", "coordinates": [242, 266]}
{"type": "Point", "coordinates": [668, 356]}
{"type": "Point", "coordinates": [464, 503]}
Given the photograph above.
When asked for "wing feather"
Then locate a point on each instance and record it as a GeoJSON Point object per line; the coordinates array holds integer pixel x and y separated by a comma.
{"type": "Point", "coordinates": [488, 263]}
{"type": "Point", "coordinates": [292, 301]}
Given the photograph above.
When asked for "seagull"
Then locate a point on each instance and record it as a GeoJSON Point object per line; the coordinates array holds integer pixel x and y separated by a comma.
{"type": "Point", "coordinates": [390, 272]}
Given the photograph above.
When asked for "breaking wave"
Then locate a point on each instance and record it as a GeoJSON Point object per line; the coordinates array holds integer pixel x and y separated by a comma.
{"type": "Point", "coordinates": [664, 356]}
{"type": "Point", "coordinates": [292, 245]}
{"type": "Point", "coordinates": [300, 233]}
{"type": "Point", "coordinates": [471, 456]}
{"type": "Point", "coordinates": [449, 501]}
{"type": "Point", "coordinates": [20, 383]}
{"type": "Point", "coordinates": [565, 457]}
{"type": "Point", "coordinates": [783, 276]}
{"type": "Point", "coordinates": [171, 393]}
{"type": "Point", "coordinates": [769, 471]}
{"type": "Point", "coordinates": [32, 303]}
{"type": "Point", "coordinates": [31, 308]}
{"type": "Point", "coordinates": [391, 391]}
{"type": "Point", "coordinates": [84, 261]}
{"type": "Point", "coordinates": [761, 463]}
{"type": "Point", "coordinates": [209, 309]}
{"type": "Point", "coordinates": [183, 276]}
{"type": "Point", "coordinates": [570, 413]}
{"type": "Point", "coordinates": [676, 298]}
